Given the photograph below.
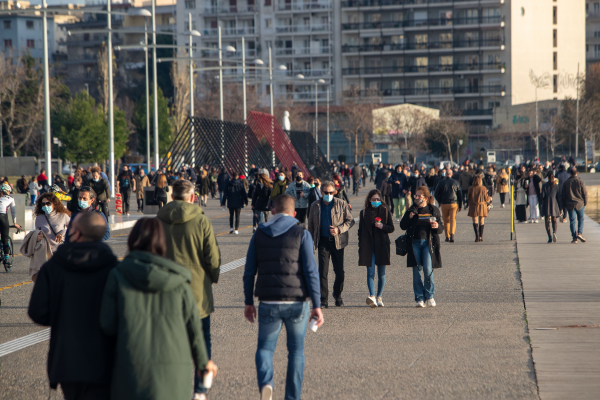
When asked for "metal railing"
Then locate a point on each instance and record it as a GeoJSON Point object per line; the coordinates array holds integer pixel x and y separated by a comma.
{"type": "Point", "coordinates": [413, 23]}
{"type": "Point", "coordinates": [226, 9]}
{"type": "Point", "coordinates": [309, 72]}
{"type": "Point", "coordinates": [422, 69]}
{"type": "Point", "coordinates": [455, 44]}
{"type": "Point", "coordinates": [298, 51]}
{"type": "Point", "coordinates": [304, 6]}
{"type": "Point", "coordinates": [230, 31]}
{"type": "Point", "coordinates": [430, 91]}
{"type": "Point", "coordinates": [382, 3]}
{"type": "Point", "coordinates": [303, 28]}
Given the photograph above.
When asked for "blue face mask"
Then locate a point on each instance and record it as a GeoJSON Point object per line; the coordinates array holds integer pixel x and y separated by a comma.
{"type": "Point", "coordinates": [328, 198]}
{"type": "Point", "coordinates": [312, 186]}
{"type": "Point", "coordinates": [375, 203]}
{"type": "Point", "coordinates": [443, 174]}
{"type": "Point", "coordinates": [96, 180]}
{"type": "Point", "coordinates": [83, 204]}
{"type": "Point", "coordinates": [281, 178]}
{"type": "Point", "coordinates": [47, 209]}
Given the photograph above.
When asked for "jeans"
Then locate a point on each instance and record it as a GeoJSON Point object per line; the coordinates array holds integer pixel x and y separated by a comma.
{"type": "Point", "coordinates": [33, 196]}
{"type": "Point", "coordinates": [534, 212]}
{"type": "Point", "coordinates": [325, 250]}
{"type": "Point", "coordinates": [576, 215]}
{"type": "Point", "coordinates": [399, 206]}
{"type": "Point", "coordinates": [270, 319]}
{"type": "Point", "coordinates": [198, 386]}
{"type": "Point", "coordinates": [424, 289]}
{"type": "Point", "coordinates": [140, 204]}
{"type": "Point", "coordinates": [301, 214]}
{"type": "Point", "coordinates": [221, 197]}
{"type": "Point", "coordinates": [257, 217]}
{"type": "Point", "coordinates": [371, 278]}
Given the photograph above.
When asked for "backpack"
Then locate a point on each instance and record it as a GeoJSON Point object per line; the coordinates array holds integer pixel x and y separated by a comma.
{"type": "Point", "coordinates": [125, 183]}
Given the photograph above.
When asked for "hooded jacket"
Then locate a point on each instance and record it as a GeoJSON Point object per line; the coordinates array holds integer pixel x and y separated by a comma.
{"type": "Point", "coordinates": [67, 297]}
{"type": "Point", "coordinates": [235, 195]}
{"type": "Point", "coordinates": [303, 201]}
{"type": "Point", "coordinates": [191, 242]}
{"type": "Point", "coordinates": [149, 307]}
{"type": "Point", "coordinates": [279, 281]}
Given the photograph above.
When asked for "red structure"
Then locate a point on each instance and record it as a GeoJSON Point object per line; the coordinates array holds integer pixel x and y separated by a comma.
{"type": "Point", "coordinates": [265, 127]}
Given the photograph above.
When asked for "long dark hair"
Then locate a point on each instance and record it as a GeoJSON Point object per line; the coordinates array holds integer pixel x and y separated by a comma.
{"type": "Point", "coordinates": [148, 235]}
{"type": "Point", "coordinates": [57, 205]}
{"type": "Point", "coordinates": [371, 194]}
{"type": "Point", "coordinates": [551, 178]}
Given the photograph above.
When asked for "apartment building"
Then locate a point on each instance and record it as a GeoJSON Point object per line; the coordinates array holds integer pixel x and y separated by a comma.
{"type": "Point", "coordinates": [592, 48]}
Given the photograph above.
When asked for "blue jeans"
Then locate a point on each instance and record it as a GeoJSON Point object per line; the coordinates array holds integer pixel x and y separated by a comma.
{"type": "Point", "coordinates": [198, 386]}
{"type": "Point", "coordinates": [33, 196]}
{"type": "Point", "coordinates": [221, 197]}
{"type": "Point", "coordinates": [270, 319]}
{"type": "Point", "coordinates": [371, 278]}
{"type": "Point", "coordinates": [257, 217]}
{"type": "Point", "coordinates": [424, 289]}
{"type": "Point", "coordinates": [576, 216]}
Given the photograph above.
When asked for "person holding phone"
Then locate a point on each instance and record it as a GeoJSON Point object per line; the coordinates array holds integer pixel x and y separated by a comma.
{"type": "Point", "coordinates": [374, 226]}
{"type": "Point", "coordinates": [423, 224]}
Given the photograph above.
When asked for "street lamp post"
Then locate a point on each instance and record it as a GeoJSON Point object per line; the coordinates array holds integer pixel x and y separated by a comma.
{"type": "Point", "coordinates": [328, 160]}
{"type": "Point", "coordinates": [111, 122]}
{"type": "Point", "coordinates": [47, 97]}
{"type": "Point", "coordinates": [155, 88]}
{"type": "Point", "coordinates": [192, 95]}
{"type": "Point", "coordinates": [148, 162]}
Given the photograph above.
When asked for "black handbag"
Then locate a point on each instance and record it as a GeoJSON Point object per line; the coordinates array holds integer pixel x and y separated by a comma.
{"type": "Point", "coordinates": [402, 245]}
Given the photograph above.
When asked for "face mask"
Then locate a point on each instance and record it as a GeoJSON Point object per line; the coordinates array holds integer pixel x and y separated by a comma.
{"type": "Point", "coordinates": [82, 204]}
{"type": "Point", "coordinates": [312, 186]}
{"type": "Point", "coordinates": [419, 201]}
{"type": "Point", "coordinates": [443, 174]}
{"type": "Point", "coordinates": [299, 179]}
{"type": "Point", "coordinates": [96, 180]}
{"type": "Point", "coordinates": [47, 209]}
{"type": "Point", "coordinates": [328, 198]}
{"type": "Point", "coordinates": [281, 178]}
{"type": "Point", "coordinates": [375, 203]}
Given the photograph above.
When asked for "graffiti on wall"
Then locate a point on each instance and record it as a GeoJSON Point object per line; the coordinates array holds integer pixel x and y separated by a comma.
{"type": "Point", "coordinates": [564, 80]}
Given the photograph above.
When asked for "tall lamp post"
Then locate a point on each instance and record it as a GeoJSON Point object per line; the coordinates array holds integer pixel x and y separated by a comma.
{"type": "Point", "coordinates": [47, 97]}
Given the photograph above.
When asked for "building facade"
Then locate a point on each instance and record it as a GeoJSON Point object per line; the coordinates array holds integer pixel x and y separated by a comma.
{"type": "Point", "coordinates": [21, 34]}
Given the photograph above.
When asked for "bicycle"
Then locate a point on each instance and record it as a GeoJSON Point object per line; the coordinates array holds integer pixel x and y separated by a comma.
{"type": "Point", "coordinates": [8, 264]}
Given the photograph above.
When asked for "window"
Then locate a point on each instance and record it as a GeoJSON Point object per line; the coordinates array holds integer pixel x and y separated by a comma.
{"type": "Point", "coordinates": [421, 64]}
{"type": "Point", "coordinates": [421, 41]}
{"type": "Point", "coordinates": [29, 24]}
{"type": "Point", "coordinates": [555, 37]}
{"type": "Point", "coordinates": [267, 2]}
{"type": "Point", "coordinates": [446, 86]}
{"type": "Point", "coordinates": [597, 51]}
{"type": "Point", "coordinates": [374, 85]}
{"type": "Point", "coordinates": [555, 15]}
{"type": "Point", "coordinates": [471, 105]}
{"type": "Point", "coordinates": [7, 24]}
{"type": "Point", "coordinates": [190, 4]}
{"type": "Point", "coordinates": [555, 83]}
{"type": "Point", "coordinates": [30, 43]}
{"type": "Point", "coordinates": [325, 65]}
{"type": "Point", "coordinates": [269, 22]}
{"type": "Point", "coordinates": [446, 63]}
{"type": "Point", "coordinates": [493, 104]}
{"type": "Point", "coordinates": [268, 87]}
{"type": "Point", "coordinates": [8, 43]}
{"type": "Point", "coordinates": [555, 61]}
{"type": "Point", "coordinates": [421, 86]}
{"type": "Point", "coordinates": [446, 40]}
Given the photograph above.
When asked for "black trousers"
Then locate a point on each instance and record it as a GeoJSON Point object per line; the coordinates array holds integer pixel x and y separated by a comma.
{"type": "Point", "coordinates": [161, 201]}
{"type": "Point", "coordinates": [301, 214]}
{"type": "Point", "coordinates": [4, 224]}
{"type": "Point", "coordinates": [140, 203]}
{"type": "Point", "coordinates": [125, 198]}
{"type": "Point", "coordinates": [502, 198]}
{"type": "Point", "coordinates": [85, 391]}
{"type": "Point", "coordinates": [236, 212]}
{"type": "Point", "coordinates": [465, 194]}
{"type": "Point", "coordinates": [104, 208]}
{"type": "Point", "coordinates": [327, 249]}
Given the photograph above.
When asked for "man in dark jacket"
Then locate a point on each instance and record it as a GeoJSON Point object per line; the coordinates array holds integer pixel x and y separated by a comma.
{"type": "Point", "coordinates": [449, 195]}
{"type": "Point", "coordinates": [562, 177]}
{"type": "Point", "coordinates": [466, 180]}
{"type": "Point", "coordinates": [400, 188]}
{"type": "Point", "coordinates": [222, 181]}
{"type": "Point", "coordinates": [281, 258]}
{"type": "Point", "coordinates": [67, 297]}
{"type": "Point", "coordinates": [380, 176]}
{"type": "Point", "coordinates": [86, 203]}
{"type": "Point", "coordinates": [574, 197]}
{"type": "Point", "coordinates": [356, 177]}
{"type": "Point", "coordinates": [102, 189]}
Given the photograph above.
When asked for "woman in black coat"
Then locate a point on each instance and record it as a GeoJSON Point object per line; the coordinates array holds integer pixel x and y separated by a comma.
{"type": "Point", "coordinates": [203, 185]}
{"type": "Point", "coordinates": [551, 205]}
{"type": "Point", "coordinates": [315, 191]}
{"type": "Point", "coordinates": [374, 227]}
{"type": "Point", "coordinates": [423, 244]}
{"type": "Point", "coordinates": [236, 198]}
{"type": "Point", "coordinates": [260, 200]}
{"type": "Point", "coordinates": [340, 191]}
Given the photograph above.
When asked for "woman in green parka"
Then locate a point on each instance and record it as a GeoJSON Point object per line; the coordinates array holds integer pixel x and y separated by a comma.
{"type": "Point", "coordinates": [150, 309]}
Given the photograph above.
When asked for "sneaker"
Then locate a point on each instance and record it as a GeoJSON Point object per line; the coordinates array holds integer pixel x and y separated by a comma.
{"type": "Point", "coordinates": [230, 231]}
{"type": "Point", "coordinates": [564, 220]}
{"type": "Point", "coordinates": [430, 303]}
{"type": "Point", "coordinates": [550, 239]}
{"type": "Point", "coordinates": [574, 241]}
{"type": "Point", "coordinates": [502, 205]}
{"type": "Point", "coordinates": [266, 393]}
{"type": "Point", "coordinates": [199, 396]}
{"type": "Point", "coordinates": [580, 237]}
{"type": "Point", "coordinates": [372, 302]}
{"type": "Point", "coordinates": [420, 304]}
{"type": "Point", "coordinates": [554, 237]}
{"type": "Point", "coordinates": [128, 214]}
{"type": "Point", "coordinates": [236, 232]}
{"type": "Point", "coordinates": [537, 221]}
{"type": "Point", "coordinates": [379, 302]}
{"type": "Point", "coordinates": [339, 302]}
{"type": "Point", "coordinates": [253, 229]}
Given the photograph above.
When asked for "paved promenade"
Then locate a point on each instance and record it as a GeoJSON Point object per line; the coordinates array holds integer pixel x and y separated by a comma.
{"type": "Point", "coordinates": [473, 345]}
{"type": "Point", "coordinates": [561, 284]}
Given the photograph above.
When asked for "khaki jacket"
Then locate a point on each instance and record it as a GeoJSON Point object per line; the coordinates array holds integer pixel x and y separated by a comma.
{"type": "Point", "coordinates": [341, 217]}
{"type": "Point", "coordinates": [140, 183]}
{"type": "Point", "coordinates": [500, 188]}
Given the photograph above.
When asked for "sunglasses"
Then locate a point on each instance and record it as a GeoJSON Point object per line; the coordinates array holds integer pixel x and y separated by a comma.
{"type": "Point", "coordinates": [324, 192]}
{"type": "Point", "coordinates": [46, 203]}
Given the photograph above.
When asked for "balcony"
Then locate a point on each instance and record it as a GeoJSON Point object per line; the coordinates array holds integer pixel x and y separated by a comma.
{"type": "Point", "coordinates": [451, 45]}
{"type": "Point", "coordinates": [304, 6]}
{"type": "Point", "coordinates": [492, 90]}
{"type": "Point", "coordinates": [303, 28]}
{"type": "Point", "coordinates": [412, 3]}
{"type": "Point", "coordinates": [473, 67]}
{"type": "Point", "coordinates": [229, 9]}
{"type": "Point", "coordinates": [424, 23]}
{"type": "Point", "coordinates": [310, 73]}
{"type": "Point", "coordinates": [247, 31]}
{"type": "Point", "coordinates": [303, 51]}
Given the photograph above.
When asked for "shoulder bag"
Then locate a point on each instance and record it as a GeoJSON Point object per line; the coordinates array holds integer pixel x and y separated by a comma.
{"type": "Point", "coordinates": [51, 228]}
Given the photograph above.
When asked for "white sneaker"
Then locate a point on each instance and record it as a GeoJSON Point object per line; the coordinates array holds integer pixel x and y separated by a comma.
{"type": "Point", "coordinates": [266, 393]}
{"type": "Point", "coordinates": [236, 232]}
{"type": "Point", "coordinates": [420, 304]}
{"type": "Point", "coordinates": [128, 214]}
{"type": "Point", "coordinates": [372, 302]}
{"type": "Point", "coordinates": [537, 221]}
{"type": "Point", "coordinates": [430, 303]}
{"type": "Point", "coordinates": [199, 396]}
{"type": "Point", "coordinates": [379, 302]}
{"type": "Point", "coordinates": [230, 231]}
{"type": "Point", "coordinates": [502, 205]}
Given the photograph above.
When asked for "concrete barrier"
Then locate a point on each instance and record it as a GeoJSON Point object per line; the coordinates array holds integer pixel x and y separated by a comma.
{"type": "Point", "coordinates": [150, 206]}
{"type": "Point", "coordinates": [17, 166]}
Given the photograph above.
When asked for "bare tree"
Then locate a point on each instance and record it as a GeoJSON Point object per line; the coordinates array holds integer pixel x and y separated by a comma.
{"type": "Point", "coordinates": [446, 131]}
{"type": "Point", "coordinates": [181, 102]}
{"type": "Point", "coordinates": [406, 123]}
{"type": "Point", "coordinates": [589, 120]}
{"type": "Point", "coordinates": [103, 77]}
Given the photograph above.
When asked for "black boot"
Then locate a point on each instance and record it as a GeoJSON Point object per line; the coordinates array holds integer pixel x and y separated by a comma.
{"type": "Point", "coordinates": [481, 232]}
{"type": "Point", "coordinates": [452, 238]}
{"type": "Point", "coordinates": [476, 229]}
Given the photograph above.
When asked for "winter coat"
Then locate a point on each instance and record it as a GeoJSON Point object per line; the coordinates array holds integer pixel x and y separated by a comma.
{"type": "Point", "coordinates": [380, 176]}
{"type": "Point", "coordinates": [235, 195]}
{"type": "Point", "coordinates": [342, 195]}
{"type": "Point", "coordinates": [550, 202]}
{"type": "Point", "coordinates": [398, 188]}
{"type": "Point", "coordinates": [341, 217]}
{"type": "Point", "coordinates": [386, 188]}
{"type": "Point", "coordinates": [140, 183]}
{"type": "Point", "coordinates": [521, 193]}
{"type": "Point", "coordinates": [261, 197]}
{"type": "Point", "coordinates": [303, 201]}
{"type": "Point", "coordinates": [148, 306]}
{"type": "Point", "coordinates": [59, 222]}
{"type": "Point", "coordinates": [73, 204]}
{"type": "Point", "coordinates": [574, 194]}
{"type": "Point", "coordinates": [536, 181]}
{"type": "Point", "coordinates": [67, 296]}
{"type": "Point", "coordinates": [101, 188]}
{"type": "Point", "coordinates": [478, 199]}
{"type": "Point", "coordinates": [222, 180]}
{"type": "Point", "coordinates": [37, 252]}
{"type": "Point", "coordinates": [374, 240]}
{"type": "Point", "coordinates": [409, 225]}
{"type": "Point", "coordinates": [465, 179]}
{"type": "Point", "coordinates": [203, 185]}
{"type": "Point", "coordinates": [191, 242]}
{"type": "Point", "coordinates": [314, 195]}
{"type": "Point", "coordinates": [415, 183]}
{"type": "Point", "coordinates": [448, 192]}
{"type": "Point", "coordinates": [502, 188]}
{"type": "Point", "coordinates": [279, 188]}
